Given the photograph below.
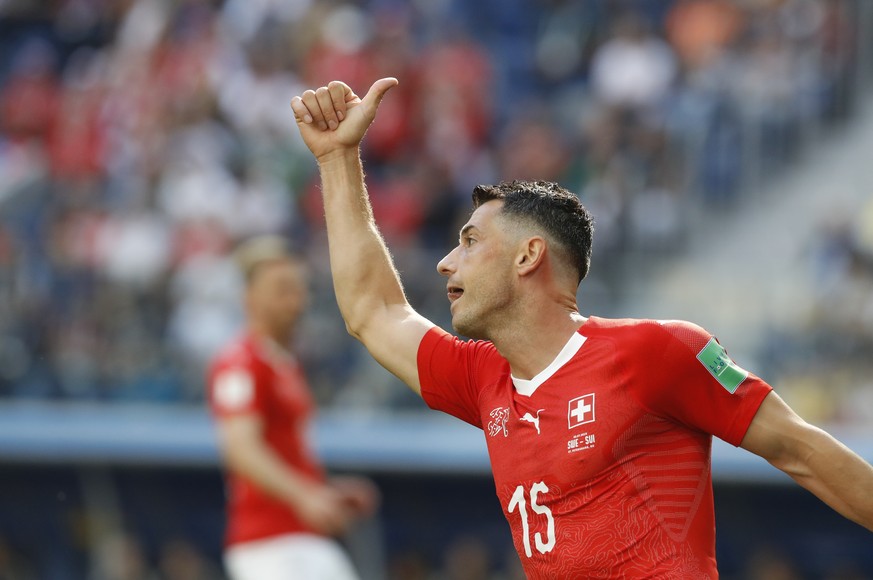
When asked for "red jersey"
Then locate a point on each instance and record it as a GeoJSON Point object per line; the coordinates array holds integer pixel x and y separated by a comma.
{"type": "Point", "coordinates": [256, 377]}
{"type": "Point", "coordinates": [602, 461]}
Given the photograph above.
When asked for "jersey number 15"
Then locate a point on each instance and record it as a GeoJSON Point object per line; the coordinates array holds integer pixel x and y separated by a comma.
{"type": "Point", "coordinates": [518, 500]}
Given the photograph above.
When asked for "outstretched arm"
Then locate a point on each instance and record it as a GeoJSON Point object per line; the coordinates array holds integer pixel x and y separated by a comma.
{"type": "Point", "coordinates": [813, 458]}
{"type": "Point", "coordinates": [332, 121]}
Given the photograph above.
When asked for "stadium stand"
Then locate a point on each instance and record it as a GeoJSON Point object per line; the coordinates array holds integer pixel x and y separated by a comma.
{"type": "Point", "coordinates": [140, 140]}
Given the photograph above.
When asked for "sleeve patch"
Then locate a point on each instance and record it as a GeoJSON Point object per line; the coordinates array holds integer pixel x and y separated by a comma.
{"type": "Point", "coordinates": [234, 389]}
{"type": "Point", "coordinates": [719, 364]}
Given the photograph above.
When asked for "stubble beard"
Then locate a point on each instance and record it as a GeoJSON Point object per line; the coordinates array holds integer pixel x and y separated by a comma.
{"type": "Point", "coordinates": [479, 320]}
{"type": "Point", "coordinates": [467, 326]}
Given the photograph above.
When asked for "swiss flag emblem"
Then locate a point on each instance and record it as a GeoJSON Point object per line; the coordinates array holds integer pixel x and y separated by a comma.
{"type": "Point", "coordinates": [580, 411]}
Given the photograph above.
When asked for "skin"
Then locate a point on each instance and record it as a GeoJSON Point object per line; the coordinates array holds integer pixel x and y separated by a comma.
{"type": "Point", "coordinates": [275, 298]}
{"type": "Point", "coordinates": [505, 284]}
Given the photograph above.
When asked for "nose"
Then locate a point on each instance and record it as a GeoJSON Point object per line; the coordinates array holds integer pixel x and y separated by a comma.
{"type": "Point", "coordinates": [446, 266]}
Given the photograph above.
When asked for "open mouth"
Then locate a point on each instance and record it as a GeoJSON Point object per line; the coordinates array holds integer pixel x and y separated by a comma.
{"type": "Point", "coordinates": [454, 292]}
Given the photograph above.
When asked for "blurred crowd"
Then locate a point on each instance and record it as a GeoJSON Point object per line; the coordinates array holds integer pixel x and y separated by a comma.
{"type": "Point", "coordinates": [140, 140]}
{"type": "Point", "coordinates": [823, 359]}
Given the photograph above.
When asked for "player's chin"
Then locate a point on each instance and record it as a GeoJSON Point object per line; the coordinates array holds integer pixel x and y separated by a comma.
{"type": "Point", "coordinates": [466, 327]}
{"type": "Point", "coordinates": [457, 323]}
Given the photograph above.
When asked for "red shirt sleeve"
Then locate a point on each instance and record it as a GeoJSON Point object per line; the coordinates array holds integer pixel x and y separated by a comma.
{"type": "Point", "coordinates": [452, 373]}
{"type": "Point", "coordinates": [691, 380]}
{"type": "Point", "coordinates": [236, 388]}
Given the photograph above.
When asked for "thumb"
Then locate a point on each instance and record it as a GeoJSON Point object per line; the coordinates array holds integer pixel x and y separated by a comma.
{"type": "Point", "coordinates": [374, 96]}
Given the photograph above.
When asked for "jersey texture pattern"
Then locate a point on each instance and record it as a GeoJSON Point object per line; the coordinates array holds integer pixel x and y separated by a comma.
{"type": "Point", "coordinates": [601, 462]}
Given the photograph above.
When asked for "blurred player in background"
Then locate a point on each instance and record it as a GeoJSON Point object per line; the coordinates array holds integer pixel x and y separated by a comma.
{"type": "Point", "coordinates": [282, 510]}
{"type": "Point", "coordinates": [599, 431]}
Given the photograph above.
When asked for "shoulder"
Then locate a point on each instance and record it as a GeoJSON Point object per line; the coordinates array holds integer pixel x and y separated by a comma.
{"type": "Point", "coordinates": [239, 354]}
{"type": "Point", "coordinates": [628, 328]}
{"type": "Point", "coordinates": [235, 378]}
{"type": "Point", "coordinates": [437, 337]}
{"type": "Point", "coordinates": [647, 333]}
{"type": "Point", "coordinates": [441, 347]}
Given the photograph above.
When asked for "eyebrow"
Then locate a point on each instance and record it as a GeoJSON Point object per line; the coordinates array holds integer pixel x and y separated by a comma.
{"type": "Point", "coordinates": [466, 229]}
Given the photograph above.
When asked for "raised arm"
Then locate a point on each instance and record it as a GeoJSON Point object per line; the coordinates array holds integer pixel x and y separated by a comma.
{"type": "Point", "coordinates": [813, 458]}
{"type": "Point", "coordinates": [332, 121]}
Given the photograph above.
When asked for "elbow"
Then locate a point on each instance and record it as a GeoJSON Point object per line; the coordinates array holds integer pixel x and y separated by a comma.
{"type": "Point", "coordinates": [354, 330]}
{"type": "Point", "coordinates": [234, 458]}
{"type": "Point", "coordinates": [797, 455]}
{"type": "Point", "coordinates": [238, 453]}
{"type": "Point", "coordinates": [356, 321]}
{"type": "Point", "coordinates": [363, 317]}
{"type": "Point", "coordinates": [791, 466]}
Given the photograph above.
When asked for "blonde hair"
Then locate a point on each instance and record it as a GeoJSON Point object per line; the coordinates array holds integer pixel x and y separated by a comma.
{"type": "Point", "coordinates": [257, 251]}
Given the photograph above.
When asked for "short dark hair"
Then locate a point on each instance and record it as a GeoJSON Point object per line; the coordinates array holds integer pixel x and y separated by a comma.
{"type": "Point", "coordinates": [548, 205]}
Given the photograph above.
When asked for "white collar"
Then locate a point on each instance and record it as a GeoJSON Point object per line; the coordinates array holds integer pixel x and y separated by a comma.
{"type": "Point", "coordinates": [527, 387]}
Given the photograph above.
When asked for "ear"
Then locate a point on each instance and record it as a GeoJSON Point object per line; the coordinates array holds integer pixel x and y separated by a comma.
{"type": "Point", "coordinates": [531, 255]}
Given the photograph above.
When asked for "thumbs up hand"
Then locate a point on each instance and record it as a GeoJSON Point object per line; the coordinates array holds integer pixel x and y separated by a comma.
{"type": "Point", "coordinates": [333, 119]}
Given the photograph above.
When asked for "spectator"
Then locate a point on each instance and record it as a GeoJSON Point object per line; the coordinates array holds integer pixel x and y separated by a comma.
{"type": "Point", "coordinates": [142, 146]}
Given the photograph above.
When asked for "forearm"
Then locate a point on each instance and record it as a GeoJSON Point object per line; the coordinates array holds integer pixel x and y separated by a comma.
{"type": "Point", "coordinates": [364, 276]}
{"type": "Point", "coordinates": [265, 469]}
{"type": "Point", "coordinates": [835, 474]}
{"type": "Point", "coordinates": [332, 122]}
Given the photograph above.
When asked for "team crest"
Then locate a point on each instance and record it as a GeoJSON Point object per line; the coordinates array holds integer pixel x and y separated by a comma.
{"type": "Point", "coordinates": [497, 425]}
{"type": "Point", "coordinates": [580, 411]}
{"type": "Point", "coordinates": [234, 389]}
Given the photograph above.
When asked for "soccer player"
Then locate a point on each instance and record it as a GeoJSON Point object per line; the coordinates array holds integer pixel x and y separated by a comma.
{"type": "Point", "coordinates": [282, 511]}
{"type": "Point", "coordinates": [598, 431]}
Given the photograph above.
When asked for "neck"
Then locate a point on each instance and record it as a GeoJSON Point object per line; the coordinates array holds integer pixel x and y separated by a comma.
{"type": "Point", "coordinates": [281, 338]}
{"type": "Point", "coordinates": [535, 337]}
